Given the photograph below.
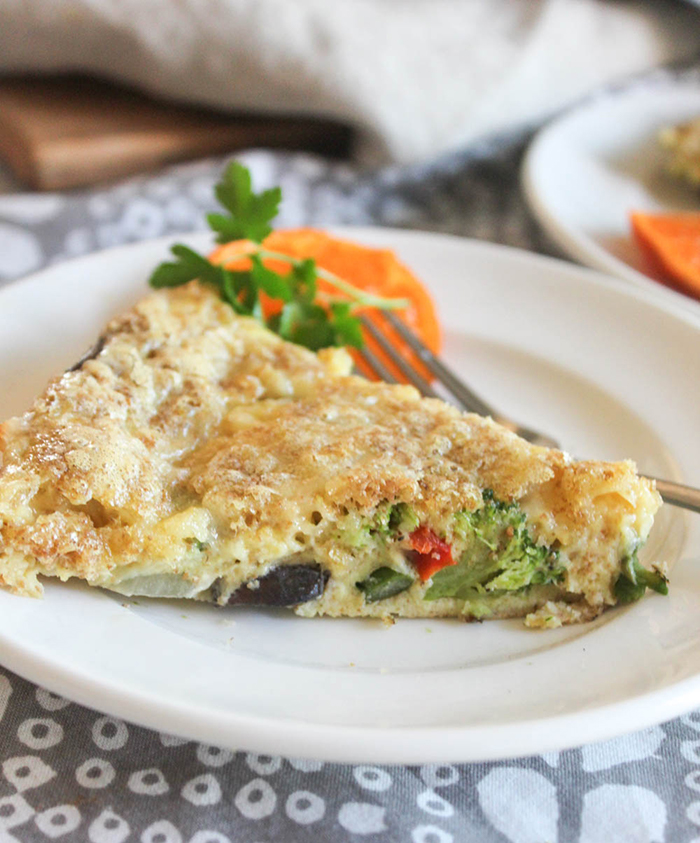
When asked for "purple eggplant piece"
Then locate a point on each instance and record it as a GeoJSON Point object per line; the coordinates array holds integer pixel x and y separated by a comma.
{"type": "Point", "coordinates": [90, 354]}
{"type": "Point", "coordinates": [285, 585]}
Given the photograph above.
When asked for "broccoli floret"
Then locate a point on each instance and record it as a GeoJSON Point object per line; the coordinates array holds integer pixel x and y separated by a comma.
{"type": "Point", "coordinates": [499, 554]}
{"type": "Point", "coordinates": [381, 523]}
{"type": "Point", "coordinates": [354, 531]}
{"type": "Point", "coordinates": [389, 521]}
{"type": "Point", "coordinates": [489, 522]}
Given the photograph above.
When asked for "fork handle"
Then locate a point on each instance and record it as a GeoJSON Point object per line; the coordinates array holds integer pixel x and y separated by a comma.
{"type": "Point", "coordinates": [677, 494]}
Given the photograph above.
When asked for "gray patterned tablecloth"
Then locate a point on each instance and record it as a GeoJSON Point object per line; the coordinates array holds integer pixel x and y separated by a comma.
{"type": "Point", "coordinates": [70, 773]}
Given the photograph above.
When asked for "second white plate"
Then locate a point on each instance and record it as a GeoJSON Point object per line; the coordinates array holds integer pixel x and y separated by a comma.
{"type": "Point", "coordinates": [588, 169]}
{"type": "Point", "coordinates": [583, 357]}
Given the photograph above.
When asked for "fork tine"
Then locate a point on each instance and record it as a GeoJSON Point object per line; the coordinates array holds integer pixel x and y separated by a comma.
{"type": "Point", "coordinates": [410, 373]}
{"type": "Point", "coordinates": [468, 399]}
{"type": "Point", "coordinates": [376, 365]}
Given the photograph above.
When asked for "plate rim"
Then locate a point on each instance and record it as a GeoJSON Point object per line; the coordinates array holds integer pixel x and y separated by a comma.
{"type": "Point", "coordinates": [359, 743]}
{"type": "Point", "coordinates": [551, 734]}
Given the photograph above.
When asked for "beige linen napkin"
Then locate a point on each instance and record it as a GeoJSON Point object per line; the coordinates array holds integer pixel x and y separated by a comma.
{"type": "Point", "coordinates": [416, 77]}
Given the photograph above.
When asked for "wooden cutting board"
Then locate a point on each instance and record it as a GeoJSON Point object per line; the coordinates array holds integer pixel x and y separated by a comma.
{"type": "Point", "coordinates": [69, 131]}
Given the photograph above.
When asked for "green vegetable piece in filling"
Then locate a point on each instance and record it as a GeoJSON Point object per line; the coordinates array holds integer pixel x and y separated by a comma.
{"type": "Point", "coordinates": [499, 554]}
{"type": "Point", "coordinates": [635, 579]}
{"type": "Point", "coordinates": [355, 533]}
{"type": "Point", "coordinates": [388, 522]}
{"type": "Point", "coordinates": [383, 583]}
{"type": "Point", "coordinates": [402, 519]}
{"type": "Point", "coordinates": [380, 522]}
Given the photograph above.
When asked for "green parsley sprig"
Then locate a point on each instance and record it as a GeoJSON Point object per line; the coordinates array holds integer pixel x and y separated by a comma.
{"type": "Point", "coordinates": [307, 317]}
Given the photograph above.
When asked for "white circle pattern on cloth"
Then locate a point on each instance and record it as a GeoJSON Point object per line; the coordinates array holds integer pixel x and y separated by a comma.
{"type": "Point", "coordinates": [432, 803]}
{"type": "Point", "coordinates": [130, 784]}
{"type": "Point", "coordinates": [263, 765]}
{"type": "Point", "coordinates": [26, 772]}
{"type": "Point", "coordinates": [372, 778]}
{"type": "Point", "coordinates": [149, 782]}
{"type": "Point", "coordinates": [109, 734]}
{"type": "Point", "coordinates": [439, 775]}
{"type": "Point", "coordinates": [109, 827]}
{"type": "Point", "coordinates": [207, 836]}
{"type": "Point", "coordinates": [430, 834]}
{"type": "Point", "coordinates": [95, 773]}
{"type": "Point", "coordinates": [202, 790]}
{"type": "Point", "coordinates": [306, 765]}
{"type": "Point", "coordinates": [40, 733]}
{"type": "Point", "coordinates": [49, 701]}
{"type": "Point", "coordinates": [171, 740]}
{"type": "Point", "coordinates": [162, 831]}
{"type": "Point", "coordinates": [256, 800]}
{"type": "Point", "coordinates": [58, 821]}
{"type": "Point", "coordinates": [304, 807]}
{"type": "Point", "coordinates": [214, 756]}
{"type": "Point", "coordinates": [14, 811]}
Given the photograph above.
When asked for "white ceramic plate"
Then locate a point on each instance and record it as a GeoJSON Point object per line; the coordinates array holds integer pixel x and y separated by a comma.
{"type": "Point", "coordinates": [587, 170]}
{"type": "Point", "coordinates": [594, 361]}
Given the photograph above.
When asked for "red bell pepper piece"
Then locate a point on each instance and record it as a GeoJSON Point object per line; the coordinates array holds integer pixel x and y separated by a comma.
{"type": "Point", "coordinates": [431, 555]}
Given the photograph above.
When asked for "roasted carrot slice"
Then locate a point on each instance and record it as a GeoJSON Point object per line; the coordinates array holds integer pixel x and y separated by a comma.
{"type": "Point", "coordinates": [377, 271]}
{"type": "Point", "coordinates": [671, 244]}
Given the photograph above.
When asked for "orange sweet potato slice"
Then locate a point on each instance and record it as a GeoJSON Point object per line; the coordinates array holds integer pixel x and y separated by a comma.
{"type": "Point", "coordinates": [377, 271]}
{"type": "Point", "coordinates": [671, 244]}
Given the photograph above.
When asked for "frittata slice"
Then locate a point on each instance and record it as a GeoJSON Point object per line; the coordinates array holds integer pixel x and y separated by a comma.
{"type": "Point", "coordinates": [198, 455]}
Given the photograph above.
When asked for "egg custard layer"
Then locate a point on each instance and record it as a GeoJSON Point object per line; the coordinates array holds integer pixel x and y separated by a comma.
{"type": "Point", "coordinates": [198, 455]}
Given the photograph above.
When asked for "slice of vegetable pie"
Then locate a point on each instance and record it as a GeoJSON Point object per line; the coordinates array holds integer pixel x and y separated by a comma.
{"type": "Point", "coordinates": [198, 455]}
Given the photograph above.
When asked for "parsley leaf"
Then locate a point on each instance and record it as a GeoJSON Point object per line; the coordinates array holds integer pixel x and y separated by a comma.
{"type": "Point", "coordinates": [190, 265]}
{"type": "Point", "coordinates": [276, 286]}
{"type": "Point", "coordinates": [306, 324]}
{"type": "Point", "coordinates": [347, 328]}
{"type": "Point", "coordinates": [250, 213]}
{"type": "Point", "coordinates": [303, 319]}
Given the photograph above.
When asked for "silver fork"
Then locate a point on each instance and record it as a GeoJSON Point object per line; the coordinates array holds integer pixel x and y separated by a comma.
{"type": "Point", "coordinates": [673, 493]}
